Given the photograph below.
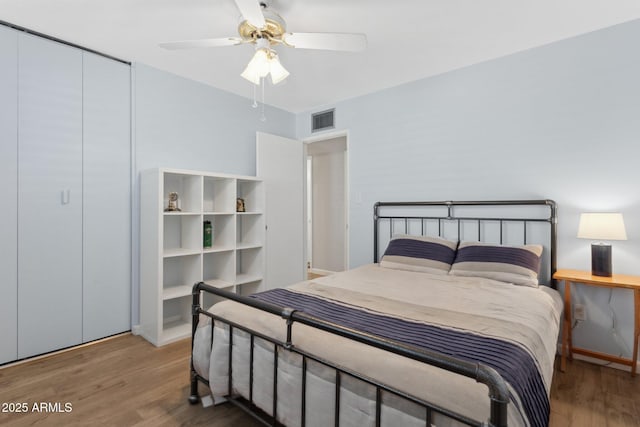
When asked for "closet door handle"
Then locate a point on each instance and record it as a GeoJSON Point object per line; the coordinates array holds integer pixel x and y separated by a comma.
{"type": "Point", "coordinates": [66, 196]}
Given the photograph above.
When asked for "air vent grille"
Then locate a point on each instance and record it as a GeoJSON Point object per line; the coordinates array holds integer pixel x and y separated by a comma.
{"type": "Point", "coordinates": [322, 120]}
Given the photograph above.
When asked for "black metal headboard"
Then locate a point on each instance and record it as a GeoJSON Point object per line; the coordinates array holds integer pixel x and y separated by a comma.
{"type": "Point", "coordinates": [502, 222]}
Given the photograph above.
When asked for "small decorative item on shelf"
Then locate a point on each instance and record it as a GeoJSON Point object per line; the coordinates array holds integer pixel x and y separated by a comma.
{"type": "Point", "coordinates": [240, 205]}
{"type": "Point", "coordinates": [207, 240]}
{"type": "Point", "coordinates": [173, 203]}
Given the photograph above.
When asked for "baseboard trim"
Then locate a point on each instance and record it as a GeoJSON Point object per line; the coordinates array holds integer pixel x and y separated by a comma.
{"type": "Point", "coordinates": [63, 350]}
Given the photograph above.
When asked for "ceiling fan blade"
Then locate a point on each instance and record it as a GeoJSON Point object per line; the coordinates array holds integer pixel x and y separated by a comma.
{"type": "Point", "coordinates": [190, 44]}
{"type": "Point", "coordinates": [349, 42]}
{"type": "Point", "coordinates": [252, 12]}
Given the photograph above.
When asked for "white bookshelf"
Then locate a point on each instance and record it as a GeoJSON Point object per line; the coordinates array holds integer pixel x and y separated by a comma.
{"type": "Point", "coordinates": [173, 257]}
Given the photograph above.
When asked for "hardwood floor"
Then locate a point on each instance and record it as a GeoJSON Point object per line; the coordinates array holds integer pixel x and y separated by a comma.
{"type": "Point", "coordinates": [593, 395]}
{"type": "Point", "coordinates": [126, 381]}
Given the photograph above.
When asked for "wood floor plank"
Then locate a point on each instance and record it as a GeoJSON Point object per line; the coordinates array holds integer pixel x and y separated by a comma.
{"type": "Point", "coordinates": [120, 382]}
{"type": "Point", "coordinates": [589, 395]}
{"type": "Point", "coordinates": [126, 381]}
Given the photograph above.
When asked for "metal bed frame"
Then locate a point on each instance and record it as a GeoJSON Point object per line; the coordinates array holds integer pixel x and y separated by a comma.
{"type": "Point", "coordinates": [498, 392]}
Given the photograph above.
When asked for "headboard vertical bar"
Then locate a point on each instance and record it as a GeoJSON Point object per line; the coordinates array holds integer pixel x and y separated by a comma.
{"type": "Point", "coordinates": [422, 222]}
{"type": "Point", "coordinates": [376, 206]}
{"type": "Point", "coordinates": [406, 226]}
{"type": "Point", "coordinates": [439, 227]}
{"type": "Point", "coordinates": [525, 232]}
{"type": "Point", "coordinates": [500, 231]}
{"type": "Point", "coordinates": [479, 239]}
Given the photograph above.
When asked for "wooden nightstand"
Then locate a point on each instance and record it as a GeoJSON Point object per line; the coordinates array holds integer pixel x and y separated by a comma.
{"type": "Point", "coordinates": [616, 281]}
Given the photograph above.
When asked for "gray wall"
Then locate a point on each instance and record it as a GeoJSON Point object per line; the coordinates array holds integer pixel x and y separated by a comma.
{"type": "Point", "coordinates": [179, 123]}
{"type": "Point", "coordinates": [183, 124]}
{"type": "Point", "coordinates": [561, 121]}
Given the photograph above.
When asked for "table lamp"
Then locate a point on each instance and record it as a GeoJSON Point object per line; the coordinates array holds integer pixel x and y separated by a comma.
{"type": "Point", "coordinates": [601, 226]}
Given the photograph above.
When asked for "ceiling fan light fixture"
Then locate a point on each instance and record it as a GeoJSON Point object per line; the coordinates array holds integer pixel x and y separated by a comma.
{"type": "Point", "coordinates": [278, 72]}
{"type": "Point", "coordinates": [262, 27]}
{"type": "Point", "coordinates": [264, 62]}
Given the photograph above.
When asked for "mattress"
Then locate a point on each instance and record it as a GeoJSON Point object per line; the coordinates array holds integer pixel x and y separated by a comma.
{"type": "Point", "coordinates": [474, 318]}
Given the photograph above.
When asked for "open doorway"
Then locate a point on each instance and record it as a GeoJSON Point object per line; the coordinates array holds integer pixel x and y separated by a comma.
{"type": "Point", "coordinates": [327, 204]}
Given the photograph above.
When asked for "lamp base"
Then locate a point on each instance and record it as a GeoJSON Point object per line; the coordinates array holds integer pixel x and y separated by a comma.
{"type": "Point", "coordinates": [601, 259]}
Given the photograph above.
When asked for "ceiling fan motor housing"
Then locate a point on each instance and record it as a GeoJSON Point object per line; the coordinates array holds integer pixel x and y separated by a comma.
{"type": "Point", "coordinates": [273, 30]}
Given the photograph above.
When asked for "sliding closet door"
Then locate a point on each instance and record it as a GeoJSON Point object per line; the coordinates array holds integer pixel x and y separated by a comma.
{"type": "Point", "coordinates": [9, 180]}
{"type": "Point", "coordinates": [50, 196]}
{"type": "Point", "coordinates": [107, 198]}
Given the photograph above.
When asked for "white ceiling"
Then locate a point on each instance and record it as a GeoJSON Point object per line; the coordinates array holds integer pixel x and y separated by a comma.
{"type": "Point", "coordinates": [407, 39]}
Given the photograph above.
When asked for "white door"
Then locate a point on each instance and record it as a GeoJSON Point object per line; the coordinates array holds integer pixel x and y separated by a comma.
{"type": "Point", "coordinates": [9, 180]}
{"type": "Point", "coordinates": [50, 196]}
{"type": "Point", "coordinates": [106, 224]}
{"type": "Point", "coordinates": [280, 162]}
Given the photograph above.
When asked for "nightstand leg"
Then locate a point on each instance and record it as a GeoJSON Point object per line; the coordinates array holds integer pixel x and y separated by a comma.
{"type": "Point", "coordinates": [566, 327]}
{"type": "Point", "coordinates": [636, 330]}
{"type": "Point", "coordinates": [570, 323]}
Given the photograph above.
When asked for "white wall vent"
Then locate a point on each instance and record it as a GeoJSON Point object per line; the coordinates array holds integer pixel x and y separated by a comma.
{"type": "Point", "coordinates": [322, 120]}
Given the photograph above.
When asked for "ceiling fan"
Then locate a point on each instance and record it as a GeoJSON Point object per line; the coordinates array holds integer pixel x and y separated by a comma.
{"type": "Point", "coordinates": [264, 28]}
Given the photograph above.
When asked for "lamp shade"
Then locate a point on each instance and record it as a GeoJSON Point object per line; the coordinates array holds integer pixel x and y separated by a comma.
{"type": "Point", "coordinates": [602, 226]}
{"type": "Point", "coordinates": [278, 72]}
{"type": "Point", "coordinates": [258, 67]}
{"type": "Point", "coordinates": [251, 75]}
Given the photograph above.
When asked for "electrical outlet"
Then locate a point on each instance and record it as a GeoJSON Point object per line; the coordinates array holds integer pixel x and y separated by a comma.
{"type": "Point", "coordinates": [579, 312]}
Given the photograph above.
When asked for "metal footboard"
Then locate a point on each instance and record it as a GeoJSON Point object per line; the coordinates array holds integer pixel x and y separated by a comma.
{"type": "Point", "coordinates": [498, 392]}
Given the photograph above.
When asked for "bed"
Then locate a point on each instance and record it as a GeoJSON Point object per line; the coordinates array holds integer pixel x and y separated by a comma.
{"type": "Point", "coordinates": [447, 327]}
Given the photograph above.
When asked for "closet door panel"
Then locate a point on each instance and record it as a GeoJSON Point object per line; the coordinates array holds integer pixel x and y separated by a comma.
{"type": "Point", "coordinates": [50, 196]}
{"type": "Point", "coordinates": [9, 180]}
{"type": "Point", "coordinates": [107, 197]}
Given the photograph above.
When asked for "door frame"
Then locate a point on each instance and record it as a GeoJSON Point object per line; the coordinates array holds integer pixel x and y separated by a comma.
{"type": "Point", "coordinates": [323, 137]}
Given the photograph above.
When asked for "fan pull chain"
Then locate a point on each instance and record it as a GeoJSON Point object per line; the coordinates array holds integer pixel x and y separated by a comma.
{"type": "Point", "coordinates": [255, 101]}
